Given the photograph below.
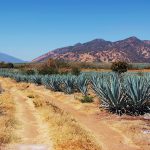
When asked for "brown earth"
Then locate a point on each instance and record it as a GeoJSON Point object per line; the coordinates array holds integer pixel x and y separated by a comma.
{"type": "Point", "coordinates": [111, 132]}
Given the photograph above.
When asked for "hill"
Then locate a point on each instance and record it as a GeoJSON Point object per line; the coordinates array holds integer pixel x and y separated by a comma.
{"type": "Point", "coordinates": [131, 49]}
{"type": "Point", "coordinates": [8, 58]}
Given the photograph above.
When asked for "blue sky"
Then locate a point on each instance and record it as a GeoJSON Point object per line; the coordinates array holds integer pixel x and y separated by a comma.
{"type": "Point", "coordinates": [29, 28]}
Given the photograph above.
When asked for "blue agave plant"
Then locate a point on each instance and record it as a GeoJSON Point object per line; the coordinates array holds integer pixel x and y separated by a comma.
{"type": "Point", "coordinates": [37, 79]}
{"type": "Point", "coordinates": [68, 83]}
{"type": "Point", "coordinates": [52, 82]}
{"type": "Point", "coordinates": [110, 93]}
{"type": "Point", "coordinates": [138, 93]}
{"type": "Point", "coordinates": [82, 84]}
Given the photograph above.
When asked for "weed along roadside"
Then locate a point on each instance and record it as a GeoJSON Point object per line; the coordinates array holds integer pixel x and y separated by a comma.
{"type": "Point", "coordinates": [8, 121]}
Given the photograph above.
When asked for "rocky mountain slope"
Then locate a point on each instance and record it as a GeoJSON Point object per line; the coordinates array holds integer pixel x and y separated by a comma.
{"type": "Point", "coordinates": [131, 49]}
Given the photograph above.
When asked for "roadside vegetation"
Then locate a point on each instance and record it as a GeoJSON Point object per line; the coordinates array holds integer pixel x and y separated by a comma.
{"type": "Point", "coordinates": [8, 122]}
{"type": "Point", "coordinates": [65, 131]}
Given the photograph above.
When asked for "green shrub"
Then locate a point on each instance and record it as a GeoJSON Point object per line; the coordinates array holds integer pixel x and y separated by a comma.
{"type": "Point", "coordinates": [6, 65]}
{"type": "Point", "coordinates": [29, 72]}
{"type": "Point", "coordinates": [31, 96]}
{"type": "Point", "coordinates": [64, 71]}
{"type": "Point", "coordinates": [119, 67]}
{"type": "Point", "coordinates": [48, 71]}
{"type": "Point", "coordinates": [140, 73]}
{"type": "Point", "coordinates": [1, 90]}
{"type": "Point", "coordinates": [87, 99]}
{"type": "Point", "coordinates": [75, 71]}
{"type": "Point", "coordinates": [10, 65]}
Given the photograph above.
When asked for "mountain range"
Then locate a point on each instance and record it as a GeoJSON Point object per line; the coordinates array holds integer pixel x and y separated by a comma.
{"type": "Point", "coordinates": [8, 58]}
{"type": "Point", "coordinates": [130, 49]}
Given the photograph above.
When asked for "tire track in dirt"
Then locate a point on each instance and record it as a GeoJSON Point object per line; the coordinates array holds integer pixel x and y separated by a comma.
{"type": "Point", "coordinates": [32, 130]}
{"type": "Point", "coordinates": [109, 138]}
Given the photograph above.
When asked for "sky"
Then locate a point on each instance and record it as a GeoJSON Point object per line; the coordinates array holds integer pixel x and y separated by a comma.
{"type": "Point", "coordinates": [29, 28]}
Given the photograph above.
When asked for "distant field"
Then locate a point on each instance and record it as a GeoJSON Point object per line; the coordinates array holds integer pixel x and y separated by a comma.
{"type": "Point", "coordinates": [94, 66]}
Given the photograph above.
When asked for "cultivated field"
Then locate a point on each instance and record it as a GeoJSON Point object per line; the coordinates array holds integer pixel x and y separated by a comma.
{"type": "Point", "coordinates": [55, 111]}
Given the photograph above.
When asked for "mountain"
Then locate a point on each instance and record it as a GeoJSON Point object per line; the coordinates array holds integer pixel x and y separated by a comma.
{"type": "Point", "coordinates": [131, 49]}
{"type": "Point", "coordinates": [147, 42]}
{"type": "Point", "coordinates": [8, 58]}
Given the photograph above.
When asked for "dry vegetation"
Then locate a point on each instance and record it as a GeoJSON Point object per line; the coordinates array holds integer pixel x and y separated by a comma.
{"type": "Point", "coordinates": [8, 122]}
{"type": "Point", "coordinates": [1, 89]}
{"type": "Point", "coordinates": [66, 133]}
{"type": "Point", "coordinates": [138, 129]}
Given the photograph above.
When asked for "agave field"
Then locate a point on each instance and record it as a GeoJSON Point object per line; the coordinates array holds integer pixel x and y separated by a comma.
{"type": "Point", "coordinates": [128, 93]}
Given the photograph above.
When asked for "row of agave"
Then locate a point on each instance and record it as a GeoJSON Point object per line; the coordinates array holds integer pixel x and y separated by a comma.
{"type": "Point", "coordinates": [127, 94]}
{"type": "Point", "coordinates": [130, 95]}
{"type": "Point", "coordinates": [66, 83]}
{"type": "Point", "coordinates": [63, 83]}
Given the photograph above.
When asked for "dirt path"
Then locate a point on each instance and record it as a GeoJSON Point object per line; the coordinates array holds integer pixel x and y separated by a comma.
{"type": "Point", "coordinates": [109, 136]}
{"type": "Point", "coordinates": [32, 132]}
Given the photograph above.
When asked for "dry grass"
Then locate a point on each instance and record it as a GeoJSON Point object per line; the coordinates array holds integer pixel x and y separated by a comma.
{"type": "Point", "coordinates": [7, 119]}
{"type": "Point", "coordinates": [1, 89]}
{"type": "Point", "coordinates": [65, 131]}
{"type": "Point", "coordinates": [135, 129]}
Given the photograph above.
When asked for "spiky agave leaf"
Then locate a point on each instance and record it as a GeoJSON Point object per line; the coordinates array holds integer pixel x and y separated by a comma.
{"type": "Point", "coordinates": [82, 84]}
{"type": "Point", "coordinates": [138, 92]}
{"type": "Point", "coordinates": [68, 83]}
{"type": "Point", "coordinates": [53, 82]}
{"type": "Point", "coordinates": [111, 94]}
{"type": "Point", "coordinates": [98, 82]}
{"type": "Point", "coordinates": [35, 79]}
{"type": "Point", "coordinates": [17, 77]}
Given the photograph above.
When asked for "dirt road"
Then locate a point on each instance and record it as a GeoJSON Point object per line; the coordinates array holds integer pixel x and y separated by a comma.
{"type": "Point", "coordinates": [32, 131]}
{"type": "Point", "coordinates": [113, 133]}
